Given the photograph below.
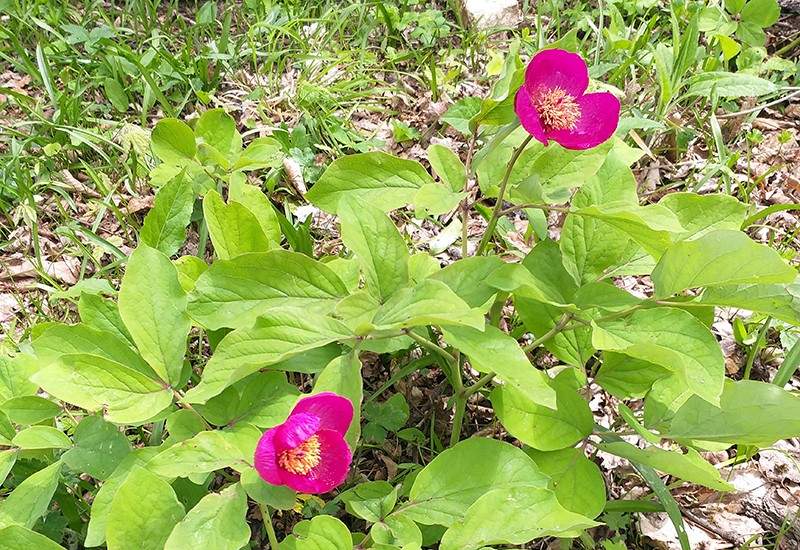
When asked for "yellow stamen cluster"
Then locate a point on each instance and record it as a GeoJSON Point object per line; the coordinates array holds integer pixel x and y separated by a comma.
{"type": "Point", "coordinates": [557, 109]}
{"type": "Point", "coordinates": [303, 458]}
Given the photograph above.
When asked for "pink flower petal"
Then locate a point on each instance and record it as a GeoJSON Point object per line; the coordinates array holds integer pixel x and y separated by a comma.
{"type": "Point", "coordinates": [266, 458]}
{"type": "Point", "coordinates": [528, 116]}
{"type": "Point", "coordinates": [331, 471]}
{"type": "Point", "coordinates": [295, 431]}
{"type": "Point", "coordinates": [334, 411]}
{"type": "Point", "coordinates": [557, 69]}
{"type": "Point", "coordinates": [598, 122]}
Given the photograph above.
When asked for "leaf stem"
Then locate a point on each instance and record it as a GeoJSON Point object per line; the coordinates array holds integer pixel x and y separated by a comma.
{"type": "Point", "coordinates": [266, 517]}
{"type": "Point", "coordinates": [498, 206]}
{"type": "Point", "coordinates": [465, 202]}
{"type": "Point", "coordinates": [558, 327]}
{"type": "Point", "coordinates": [754, 349]}
{"type": "Point", "coordinates": [432, 347]}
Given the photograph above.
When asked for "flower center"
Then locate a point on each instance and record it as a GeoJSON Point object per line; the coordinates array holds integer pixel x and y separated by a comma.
{"type": "Point", "coordinates": [303, 458]}
{"type": "Point", "coordinates": [557, 109]}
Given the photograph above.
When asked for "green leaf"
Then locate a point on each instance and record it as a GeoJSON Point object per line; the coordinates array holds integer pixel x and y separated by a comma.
{"type": "Point", "coordinates": [577, 481]}
{"type": "Point", "coordinates": [495, 351]}
{"type": "Point", "coordinates": [41, 437]}
{"type": "Point", "coordinates": [384, 181]}
{"type": "Point", "coordinates": [750, 413]}
{"type": "Point", "coordinates": [15, 374]}
{"type": "Point", "coordinates": [153, 306]}
{"type": "Point", "coordinates": [259, 205]}
{"type": "Point", "coordinates": [165, 225]}
{"type": "Point", "coordinates": [728, 85]}
{"type": "Point", "coordinates": [753, 35]}
{"type": "Point", "coordinates": [398, 531]}
{"type": "Point", "coordinates": [763, 13]}
{"type": "Point", "coordinates": [206, 452]}
{"type": "Point", "coordinates": [234, 229]}
{"type": "Point", "coordinates": [30, 500]}
{"type": "Point", "coordinates": [217, 522]}
{"type": "Point", "coordinates": [378, 246]}
{"type": "Point", "coordinates": [99, 448]}
{"type": "Point", "coordinates": [779, 301]}
{"type": "Point", "coordinates": [391, 414]}
{"type": "Point", "coordinates": [559, 169]}
{"type": "Point", "coordinates": [29, 409]}
{"type": "Point", "coordinates": [627, 377]}
{"type": "Point", "coordinates": [189, 270]}
{"type": "Point", "coordinates": [263, 399]}
{"type": "Point", "coordinates": [143, 513]}
{"type": "Point", "coordinates": [279, 497]}
{"type": "Point", "coordinates": [371, 500]}
{"type": "Point", "coordinates": [467, 278]}
{"type": "Point", "coordinates": [217, 128]}
{"type": "Point", "coordinates": [343, 376]}
{"type": "Point", "coordinates": [591, 246]}
{"type": "Point", "coordinates": [259, 154]}
{"type": "Point", "coordinates": [448, 166]}
{"type": "Point", "coordinates": [233, 293]}
{"type": "Point", "coordinates": [513, 515]}
{"type": "Point", "coordinates": [101, 505]}
{"type": "Point", "coordinates": [573, 346]}
{"type": "Point", "coordinates": [323, 532]}
{"type": "Point", "coordinates": [282, 335]}
{"type": "Point", "coordinates": [57, 340]}
{"type": "Point", "coordinates": [7, 460]}
{"type": "Point", "coordinates": [116, 94]}
{"type": "Point", "coordinates": [541, 427]}
{"type": "Point", "coordinates": [689, 467]}
{"type": "Point", "coordinates": [17, 537]}
{"type": "Point", "coordinates": [459, 113]}
{"type": "Point", "coordinates": [96, 383]}
{"type": "Point", "coordinates": [671, 338]}
{"type": "Point", "coordinates": [441, 493]}
{"type": "Point", "coordinates": [173, 142]}
{"type": "Point", "coordinates": [100, 314]}
{"type": "Point", "coordinates": [718, 258]}
{"type": "Point", "coordinates": [431, 302]}
{"type": "Point", "coordinates": [434, 199]}
{"type": "Point", "coordinates": [700, 214]}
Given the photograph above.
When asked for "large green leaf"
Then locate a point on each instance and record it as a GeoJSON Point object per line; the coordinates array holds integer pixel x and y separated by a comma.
{"type": "Point", "coordinates": [448, 166]}
{"type": "Point", "coordinates": [153, 306]}
{"type": "Point", "coordinates": [96, 383]}
{"type": "Point", "coordinates": [513, 515]}
{"type": "Point", "coordinates": [30, 500]}
{"type": "Point", "coordinates": [728, 85]}
{"type": "Point", "coordinates": [430, 302]}
{"type": "Point", "coordinates": [217, 128]}
{"type": "Point", "coordinates": [723, 257]}
{"type": "Point", "coordinates": [7, 460]}
{"type": "Point", "coordinates": [467, 278]}
{"type": "Point", "coordinates": [165, 225]}
{"type": "Point", "coordinates": [284, 334]}
{"type": "Point", "coordinates": [779, 301]}
{"type": "Point", "coordinates": [217, 522]}
{"type": "Point", "coordinates": [750, 413]}
{"type": "Point", "coordinates": [441, 493]}
{"type": "Point", "coordinates": [699, 214]}
{"type": "Point", "coordinates": [143, 513]}
{"type": "Point", "coordinates": [378, 246]}
{"type": "Point", "coordinates": [15, 374]}
{"type": "Point", "coordinates": [671, 338]}
{"type": "Point", "coordinates": [384, 181]}
{"type": "Point", "coordinates": [343, 376]}
{"type": "Point", "coordinates": [233, 293]}
{"type": "Point", "coordinates": [258, 204]}
{"type": "Point", "coordinates": [173, 141]}
{"type": "Point", "coordinates": [101, 314]}
{"type": "Point", "coordinates": [234, 229]}
{"type": "Point", "coordinates": [41, 437]}
{"type": "Point", "coordinates": [495, 351]}
{"type": "Point", "coordinates": [29, 409]}
{"type": "Point", "coordinates": [17, 537]}
{"type": "Point", "coordinates": [205, 452]}
{"type": "Point", "coordinates": [689, 467]}
{"type": "Point", "coordinates": [541, 427]}
{"type": "Point", "coordinates": [321, 532]}
{"type": "Point", "coordinates": [559, 169]}
{"type": "Point", "coordinates": [99, 448]}
{"type": "Point", "coordinates": [590, 246]}
{"type": "Point", "coordinates": [263, 399]}
{"type": "Point", "coordinates": [101, 505]}
{"type": "Point", "coordinates": [577, 481]}
{"type": "Point", "coordinates": [626, 377]}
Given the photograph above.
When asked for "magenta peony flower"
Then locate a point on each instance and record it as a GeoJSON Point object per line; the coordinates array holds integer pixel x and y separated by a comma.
{"type": "Point", "coordinates": [551, 104]}
{"type": "Point", "coordinates": [308, 452]}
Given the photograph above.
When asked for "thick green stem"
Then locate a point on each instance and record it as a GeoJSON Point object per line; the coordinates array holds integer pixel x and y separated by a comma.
{"type": "Point", "coordinates": [498, 206]}
{"type": "Point", "coordinates": [458, 417]}
{"type": "Point", "coordinates": [266, 517]}
{"type": "Point", "coordinates": [754, 349]}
